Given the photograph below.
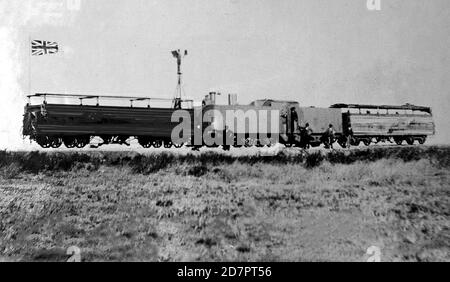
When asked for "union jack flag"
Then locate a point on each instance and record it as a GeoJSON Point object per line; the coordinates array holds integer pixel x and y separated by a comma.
{"type": "Point", "coordinates": [40, 47]}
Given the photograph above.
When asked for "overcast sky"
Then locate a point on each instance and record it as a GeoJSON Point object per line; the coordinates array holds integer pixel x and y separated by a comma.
{"type": "Point", "coordinates": [317, 52]}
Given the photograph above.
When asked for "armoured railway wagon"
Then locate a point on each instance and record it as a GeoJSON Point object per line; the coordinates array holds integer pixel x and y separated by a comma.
{"type": "Point", "coordinates": [52, 124]}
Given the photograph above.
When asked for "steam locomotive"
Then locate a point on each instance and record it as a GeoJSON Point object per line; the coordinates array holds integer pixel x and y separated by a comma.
{"type": "Point", "coordinates": [74, 120]}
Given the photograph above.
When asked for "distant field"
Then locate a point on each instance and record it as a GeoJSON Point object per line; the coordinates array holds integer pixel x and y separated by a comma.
{"type": "Point", "coordinates": [211, 206]}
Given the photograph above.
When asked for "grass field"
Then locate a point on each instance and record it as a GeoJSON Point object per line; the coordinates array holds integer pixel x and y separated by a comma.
{"type": "Point", "coordinates": [208, 206]}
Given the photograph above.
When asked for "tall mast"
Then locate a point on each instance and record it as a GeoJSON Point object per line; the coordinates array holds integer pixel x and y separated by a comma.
{"type": "Point", "coordinates": [177, 54]}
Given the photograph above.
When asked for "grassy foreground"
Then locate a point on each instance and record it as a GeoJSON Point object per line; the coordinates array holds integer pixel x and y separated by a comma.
{"type": "Point", "coordinates": [294, 206]}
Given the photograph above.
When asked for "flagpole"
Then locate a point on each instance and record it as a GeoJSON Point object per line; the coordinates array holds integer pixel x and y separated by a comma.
{"type": "Point", "coordinates": [29, 65]}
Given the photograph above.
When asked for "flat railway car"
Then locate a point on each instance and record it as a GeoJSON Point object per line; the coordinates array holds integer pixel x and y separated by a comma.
{"type": "Point", "coordinates": [54, 124]}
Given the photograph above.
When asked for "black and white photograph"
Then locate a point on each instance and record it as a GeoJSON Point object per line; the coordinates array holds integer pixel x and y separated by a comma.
{"type": "Point", "coordinates": [249, 132]}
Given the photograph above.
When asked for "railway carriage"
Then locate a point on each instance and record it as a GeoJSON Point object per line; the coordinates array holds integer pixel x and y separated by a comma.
{"type": "Point", "coordinates": [386, 123]}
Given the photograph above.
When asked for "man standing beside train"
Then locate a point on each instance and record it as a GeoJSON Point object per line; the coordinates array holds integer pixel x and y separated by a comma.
{"type": "Point", "coordinates": [294, 124]}
{"type": "Point", "coordinates": [306, 136]}
{"type": "Point", "coordinates": [349, 136]}
{"type": "Point", "coordinates": [329, 137]}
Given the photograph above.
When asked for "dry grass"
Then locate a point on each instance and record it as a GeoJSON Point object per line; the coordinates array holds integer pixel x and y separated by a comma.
{"type": "Point", "coordinates": [131, 207]}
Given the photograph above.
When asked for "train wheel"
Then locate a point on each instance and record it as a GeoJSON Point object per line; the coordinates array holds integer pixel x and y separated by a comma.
{"type": "Point", "coordinates": [250, 142]}
{"type": "Point", "coordinates": [69, 142]}
{"type": "Point", "coordinates": [69, 145]}
{"type": "Point", "coordinates": [288, 145]}
{"type": "Point", "coordinates": [80, 145]}
{"type": "Point", "coordinates": [422, 140]}
{"type": "Point", "coordinates": [355, 141]}
{"type": "Point", "coordinates": [168, 144]}
{"type": "Point", "coordinates": [55, 142]}
{"type": "Point", "coordinates": [398, 141]}
{"type": "Point", "coordinates": [366, 142]}
{"type": "Point", "coordinates": [146, 145]}
{"type": "Point", "coordinates": [157, 143]}
{"type": "Point", "coordinates": [178, 145]}
{"type": "Point", "coordinates": [410, 140]}
{"type": "Point", "coordinates": [259, 144]}
{"type": "Point", "coordinates": [43, 141]}
{"type": "Point", "coordinates": [81, 142]}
